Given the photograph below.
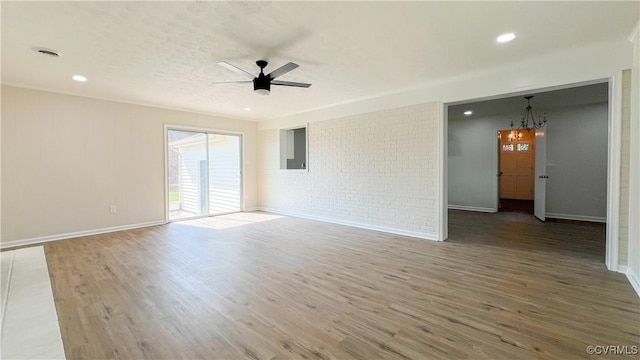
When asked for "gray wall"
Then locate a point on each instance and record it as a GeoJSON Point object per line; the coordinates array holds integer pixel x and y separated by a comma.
{"type": "Point", "coordinates": [576, 158]}
{"type": "Point", "coordinates": [577, 161]}
{"type": "Point", "coordinates": [299, 150]}
{"type": "Point", "coordinates": [473, 161]}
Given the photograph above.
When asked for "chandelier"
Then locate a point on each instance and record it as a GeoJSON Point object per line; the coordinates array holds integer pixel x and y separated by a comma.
{"type": "Point", "coordinates": [527, 122]}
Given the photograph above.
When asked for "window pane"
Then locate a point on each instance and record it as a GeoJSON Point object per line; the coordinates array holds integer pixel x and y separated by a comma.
{"type": "Point", "coordinates": [523, 147]}
{"type": "Point", "coordinates": [187, 174]}
{"type": "Point", "coordinates": [507, 147]}
{"type": "Point", "coordinates": [224, 173]}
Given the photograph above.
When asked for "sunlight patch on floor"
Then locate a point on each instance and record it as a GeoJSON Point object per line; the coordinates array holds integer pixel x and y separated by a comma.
{"type": "Point", "coordinates": [231, 220]}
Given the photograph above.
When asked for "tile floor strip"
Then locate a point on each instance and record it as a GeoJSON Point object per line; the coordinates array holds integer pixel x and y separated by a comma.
{"type": "Point", "coordinates": [30, 327]}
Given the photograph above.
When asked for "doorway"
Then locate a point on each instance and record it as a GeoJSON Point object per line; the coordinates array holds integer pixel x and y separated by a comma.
{"type": "Point", "coordinates": [204, 173]}
{"type": "Point", "coordinates": [516, 158]}
{"type": "Point", "coordinates": [575, 164]}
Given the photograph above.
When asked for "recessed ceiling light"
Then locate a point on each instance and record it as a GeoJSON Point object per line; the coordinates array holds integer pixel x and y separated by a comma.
{"type": "Point", "coordinates": [247, 109]}
{"type": "Point", "coordinates": [506, 37]}
{"type": "Point", "coordinates": [79, 78]}
{"type": "Point", "coordinates": [45, 51]}
{"type": "Point", "coordinates": [468, 112]}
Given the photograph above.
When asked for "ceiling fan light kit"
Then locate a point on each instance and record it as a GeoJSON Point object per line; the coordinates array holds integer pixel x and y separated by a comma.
{"type": "Point", "coordinates": [262, 83]}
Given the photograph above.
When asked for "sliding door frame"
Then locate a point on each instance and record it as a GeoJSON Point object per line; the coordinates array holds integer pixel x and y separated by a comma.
{"type": "Point", "coordinates": [240, 135]}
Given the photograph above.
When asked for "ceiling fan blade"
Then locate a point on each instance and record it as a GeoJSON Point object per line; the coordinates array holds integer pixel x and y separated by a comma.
{"type": "Point", "coordinates": [290, 83]}
{"type": "Point", "coordinates": [235, 69]}
{"type": "Point", "coordinates": [282, 70]}
{"type": "Point", "coordinates": [232, 82]}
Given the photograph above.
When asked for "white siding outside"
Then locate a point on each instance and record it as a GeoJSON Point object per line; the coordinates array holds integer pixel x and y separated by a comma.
{"type": "Point", "coordinates": [224, 174]}
{"type": "Point", "coordinates": [190, 185]}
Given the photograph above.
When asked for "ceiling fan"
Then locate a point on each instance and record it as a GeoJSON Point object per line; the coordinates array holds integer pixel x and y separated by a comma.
{"type": "Point", "coordinates": [262, 83]}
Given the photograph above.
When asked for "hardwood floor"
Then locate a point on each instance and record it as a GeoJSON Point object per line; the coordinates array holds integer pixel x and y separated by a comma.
{"type": "Point", "coordinates": [261, 286]}
{"type": "Point", "coordinates": [516, 205]}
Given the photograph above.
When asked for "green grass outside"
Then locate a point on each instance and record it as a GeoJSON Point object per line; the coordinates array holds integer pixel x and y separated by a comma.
{"type": "Point", "coordinates": [174, 196]}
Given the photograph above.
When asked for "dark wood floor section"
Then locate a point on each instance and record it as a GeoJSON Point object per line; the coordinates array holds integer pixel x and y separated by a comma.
{"type": "Point", "coordinates": [516, 205]}
{"type": "Point", "coordinates": [260, 286]}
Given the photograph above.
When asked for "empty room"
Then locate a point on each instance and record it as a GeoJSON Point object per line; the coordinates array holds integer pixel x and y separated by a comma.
{"type": "Point", "coordinates": [320, 180]}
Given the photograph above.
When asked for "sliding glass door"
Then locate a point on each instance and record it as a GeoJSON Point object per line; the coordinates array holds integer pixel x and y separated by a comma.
{"type": "Point", "coordinates": [204, 173]}
{"type": "Point", "coordinates": [224, 173]}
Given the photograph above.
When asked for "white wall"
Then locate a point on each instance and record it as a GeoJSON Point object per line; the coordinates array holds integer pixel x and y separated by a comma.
{"type": "Point", "coordinates": [633, 267]}
{"type": "Point", "coordinates": [576, 146]}
{"type": "Point", "coordinates": [66, 159]}
{"type": "Point", "coordinates": [375, 170]}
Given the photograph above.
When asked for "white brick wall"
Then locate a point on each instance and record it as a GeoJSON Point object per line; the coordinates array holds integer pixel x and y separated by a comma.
{"type": "Point", "coordinates": [623, 226]}
{"type": "Point", "coordinates": [377, 169]}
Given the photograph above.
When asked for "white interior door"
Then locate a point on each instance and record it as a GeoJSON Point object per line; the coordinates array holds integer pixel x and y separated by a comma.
{"type": "Point", "coordinates": [539, 201]}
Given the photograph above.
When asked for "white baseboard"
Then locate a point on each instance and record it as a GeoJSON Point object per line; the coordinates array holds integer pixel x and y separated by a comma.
{"type": "Point", "coordinates": [250, 209]}
{"type": "Point", "coordinates": [576, 217]}
{"type": "Point", "coordinates": [634, 279]}
{"type": "Point", "coordinates": [472, 208]}
{"type": "Point", "coordinates": [43, 239]}
{"type": "Point", "coordinates": [415, 234]}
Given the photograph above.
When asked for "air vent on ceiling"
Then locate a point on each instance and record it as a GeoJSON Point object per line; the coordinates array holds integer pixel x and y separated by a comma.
{"type": "Point", "coordinates": [45, 51]}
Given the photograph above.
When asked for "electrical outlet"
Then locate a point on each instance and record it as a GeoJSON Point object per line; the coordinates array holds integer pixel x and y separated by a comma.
{"type": "Point", "coordinates": [113, 209]}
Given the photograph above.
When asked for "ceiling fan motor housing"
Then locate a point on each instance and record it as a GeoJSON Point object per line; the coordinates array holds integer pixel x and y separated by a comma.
{"type": "Point", "coordinates": [262, 84]}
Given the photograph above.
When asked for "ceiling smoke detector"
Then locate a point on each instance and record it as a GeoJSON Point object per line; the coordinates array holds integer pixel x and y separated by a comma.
{"type": "Point", "coordinates": [45, 51]}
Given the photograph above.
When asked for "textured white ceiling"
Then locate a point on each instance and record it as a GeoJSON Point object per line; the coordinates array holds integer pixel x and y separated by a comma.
{"type": "Point", "coordinates": [165, 53]}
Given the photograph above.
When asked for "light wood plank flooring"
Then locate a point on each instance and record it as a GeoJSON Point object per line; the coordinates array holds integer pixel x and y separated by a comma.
{"type": "Point", "coordinates": [262, 286]}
